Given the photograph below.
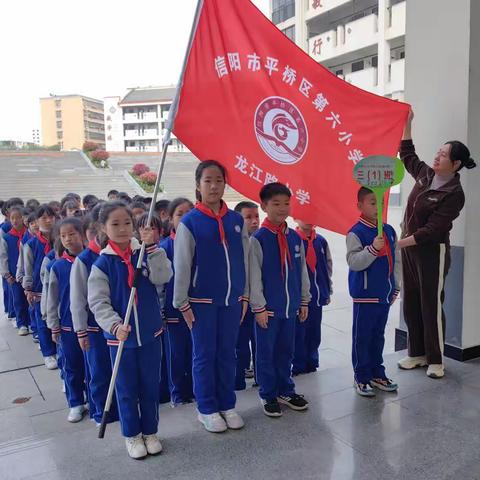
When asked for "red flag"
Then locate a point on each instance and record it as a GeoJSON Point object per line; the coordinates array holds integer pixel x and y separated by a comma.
{"type": "Point", "coordinates": [257, 103]}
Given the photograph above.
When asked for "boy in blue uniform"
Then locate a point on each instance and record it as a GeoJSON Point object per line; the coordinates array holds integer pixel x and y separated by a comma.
{"type": "Point", "coordinates": [308, 334]}
{"type": "Point", "coordinates": [374, 284]}
{"type": "Point", "coordinates": [279, 291]}
{"type": "Point", "coordinates": [245, 354]}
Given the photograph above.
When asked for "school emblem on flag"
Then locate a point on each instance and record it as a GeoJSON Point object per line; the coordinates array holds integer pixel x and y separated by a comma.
{"type": "Point", "coordinates": [281, 130]}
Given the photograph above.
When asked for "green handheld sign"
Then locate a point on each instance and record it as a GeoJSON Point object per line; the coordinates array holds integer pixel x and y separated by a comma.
{"type": "Point", "coordinates": [379, 173]}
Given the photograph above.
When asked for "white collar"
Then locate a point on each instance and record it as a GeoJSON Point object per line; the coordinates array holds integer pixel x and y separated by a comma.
{"type": "Point", "coordinates": [134, 245]}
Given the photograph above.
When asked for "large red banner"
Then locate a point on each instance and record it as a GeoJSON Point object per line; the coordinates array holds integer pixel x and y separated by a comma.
{"type": "Point", "coordinates": [257, 103]}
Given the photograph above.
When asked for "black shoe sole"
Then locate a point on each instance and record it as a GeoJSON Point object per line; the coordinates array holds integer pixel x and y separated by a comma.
{"type": "Point", "coordinates": [292, 407]}
{"type": "Point", "coordinates": [272, 415]}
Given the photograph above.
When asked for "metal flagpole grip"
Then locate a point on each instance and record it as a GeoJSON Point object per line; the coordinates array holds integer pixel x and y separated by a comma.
{"type": "Point", "coordinates": [166, 142]}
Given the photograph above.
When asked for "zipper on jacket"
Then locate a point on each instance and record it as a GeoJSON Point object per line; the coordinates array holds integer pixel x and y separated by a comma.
{"type": "Point", "coordinates": [317, 287]}
{"type": "Point", "coordinates": [365, 280]}
{"type": "Point", "coordinates": [229, 281]}
{"type": "Point", "coordinates": [413, 210]}
{"type": "Point", "coordinates": [137, 326]}
{"type": "Point", "coordinates": [286, 286]}
{"type": "Point", "coordinates": [194, 283]}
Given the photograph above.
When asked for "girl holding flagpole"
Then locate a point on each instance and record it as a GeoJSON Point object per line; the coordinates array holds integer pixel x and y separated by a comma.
{"type": "Point", "coordinates": [211, 262]}
{"type": "Point", "coordinates": [109, 285]}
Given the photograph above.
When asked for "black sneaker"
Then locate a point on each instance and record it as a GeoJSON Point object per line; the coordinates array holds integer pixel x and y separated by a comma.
{"type": "Point", "coordinates": [271, 408]}
{"type": "Point", "coordinates": [295, 402]}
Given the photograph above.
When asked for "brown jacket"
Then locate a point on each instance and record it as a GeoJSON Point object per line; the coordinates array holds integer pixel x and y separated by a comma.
{"type": "Point", "coordinates": [430, 213]}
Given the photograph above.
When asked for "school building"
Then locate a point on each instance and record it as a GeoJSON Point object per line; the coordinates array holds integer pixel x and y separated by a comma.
{"type": "Point", "coordinates": [71, 120]}
{"type": "Point", "coordinates": [137, 121]}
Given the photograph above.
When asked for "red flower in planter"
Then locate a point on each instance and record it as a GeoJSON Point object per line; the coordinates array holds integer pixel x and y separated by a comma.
{"type": "Point", "coordinates": [149, 178]}
{"type": "Point", "coordinates": [140, 168]}
{"type": "Point", "coordinates": [100, 155]}
{"type": "Point", "coordinates": [89, 146]}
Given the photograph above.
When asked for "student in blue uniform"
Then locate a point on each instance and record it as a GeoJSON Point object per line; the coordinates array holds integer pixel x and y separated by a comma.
{"type": "Point", "coordinates": [32, 230]}
{"type": "Point", "coordinates": [89, 334]}
{"type": "Point", "coordinates": [179, 340]}
{"type": "Point", "coordinates": [279, 291]}
{"type": "Point", "coordinates": [374, 284]}
{"type": "Point", "coordinates": [109, 286]}
{"type": "Point", "coordinates": [308, 334]}
{"type": "Point", "coordinates": [156, 226]}
{"type": "Point", "coordinates": [10, 245]}
{"type": "Point", "coordinates": [34, 253]}
{"type": "Point", "coordinates": [211, 261]}
{"type": "Point", "coordinates": [5, 227]}
{"type": "Point", "coordinates": [245, 349]}
{"type": "Point", "coordinates": [59, 317]}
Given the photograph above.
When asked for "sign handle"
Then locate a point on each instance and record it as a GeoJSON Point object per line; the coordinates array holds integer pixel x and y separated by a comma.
{"type": "Point", "coordinates": [379, 193]}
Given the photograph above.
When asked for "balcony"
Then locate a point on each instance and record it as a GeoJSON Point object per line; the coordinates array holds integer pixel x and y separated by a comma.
{"type": "Point", "coordinates": [397, 77]}
{"type": "Point", "coordinates": [140, 117]}
{"type": "Point", "coordinates": [366, 79]}
{"type": "Point", "coordinates": [345, 39]}
{"type": "Point", "coordinates": [324, 6]}
{"type": "Point", "coordinates": [398, 15]}
{"type": "Point", "coordinates": [141, 134]}
{"type": "Point", "coordinates": [142, 148]}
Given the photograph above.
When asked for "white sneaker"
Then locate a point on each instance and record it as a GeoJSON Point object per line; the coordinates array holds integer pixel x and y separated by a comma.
{"type": "Point", "coordinates": [409, 363]}
{"type": "Point", "coordinates": [22, 331]}
{"type": "Point", "coordinates": [76, 414]}
{"type": "Point", "coordinates": [152, 444]}
{"type": "Point", "coordinates": [233, 420]}
{"type": "Point", "coordinates": [213, 422]}
{"type": "Point", "coordinates": [436, 370]}
{"type": "Point", "coordinates": [136, 447]}
{"type": "Point", "coordinates": [51, 362]}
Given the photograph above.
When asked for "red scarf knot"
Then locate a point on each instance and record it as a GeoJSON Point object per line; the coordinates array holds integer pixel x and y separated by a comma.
{"type": "Point", "coordinates": [280, 230]}
{"type": "Point", "coordinates": [218, 217]}
{"type": "Point", "coordinates": [68, 257]}
{"type": "Point", "coordinates": [18, 234]}
{"type": "Point", "coordinates": [126, 256]}
{"type": "Point", "coordinates": [46, 244]}
{"type": "Point", "coordinates": [310, 254]}
{"type": "Point", "coordinates": [94, 246]}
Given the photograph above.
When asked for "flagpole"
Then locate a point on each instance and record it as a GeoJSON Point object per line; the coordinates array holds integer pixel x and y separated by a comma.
{"type": "Point", "coordinates": [165, 143]}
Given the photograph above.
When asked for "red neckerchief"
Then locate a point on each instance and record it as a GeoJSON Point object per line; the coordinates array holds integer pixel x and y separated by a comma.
{"type": "Point", "coordinates": [218, 217]}
{"type": "Point", "coordinates": [126, 256]}
{"type": "Point", "coordinates": [386, 251]}
{"type": "Point", "coordinates": [172, 234]}
{"type": "Point", "coordinates": [94, 246]}
{"type": "Point", "coordinates": [46, 244]}
{"type": "Point", "coordinates": [18, 234]}
{"type": "Point", "coordinates": [310, 254]}
{"type": "Point", "coordinates": [282, 241]}
{"type": "Point", "coordinates": [68, 257]}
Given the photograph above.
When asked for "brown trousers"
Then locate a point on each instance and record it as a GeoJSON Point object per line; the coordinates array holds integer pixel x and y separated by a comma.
{"type": "Point", "coordinates": [424, 270]}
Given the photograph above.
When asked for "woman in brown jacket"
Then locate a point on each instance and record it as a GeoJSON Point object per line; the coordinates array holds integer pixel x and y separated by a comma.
{"type": "Point", "coordinates": [434, 203]}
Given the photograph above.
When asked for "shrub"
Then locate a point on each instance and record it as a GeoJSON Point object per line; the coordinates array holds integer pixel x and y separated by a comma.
{"type": "Point", "coordinates": [89, 146]}
{"type": "Point", "coordinates": [140, 168]}
{"type": "Point", "coordinates": [99, 155]}
{"type": "Point", "coordinates": [149, 178]}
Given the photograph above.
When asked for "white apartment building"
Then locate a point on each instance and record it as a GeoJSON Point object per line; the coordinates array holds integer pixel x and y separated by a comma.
{"type": "Point", "coordinates": [361, 41]}
{"type": "Point", "coordinates": [136, 122]}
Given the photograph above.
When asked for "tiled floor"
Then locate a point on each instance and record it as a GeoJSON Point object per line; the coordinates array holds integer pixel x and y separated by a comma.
{"type": "Point", "coordinates": [428, 430]}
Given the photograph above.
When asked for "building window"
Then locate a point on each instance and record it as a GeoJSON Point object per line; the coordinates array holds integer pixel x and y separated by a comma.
{"type": "Point", "coordinates": [375, 61]}
{"type": "Point", "coordinates": [59, 124]}
{"type": "Point", "coordinates": [357, 66]}
{"type": "Point", "coordinates": [58, 103]}
{"type": "Point", "coordinates": [59, 135]}
{"type": "Point", "coordinates": [282, 10]}
{"type": "Point", "coordinates": [402, 54]}
{"type": "Point", "coordinates": [339, 72]}
{"type": "Point", "coordinates": [58, 114]}
{"type": "Point", "coordinates": [290, 33]}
